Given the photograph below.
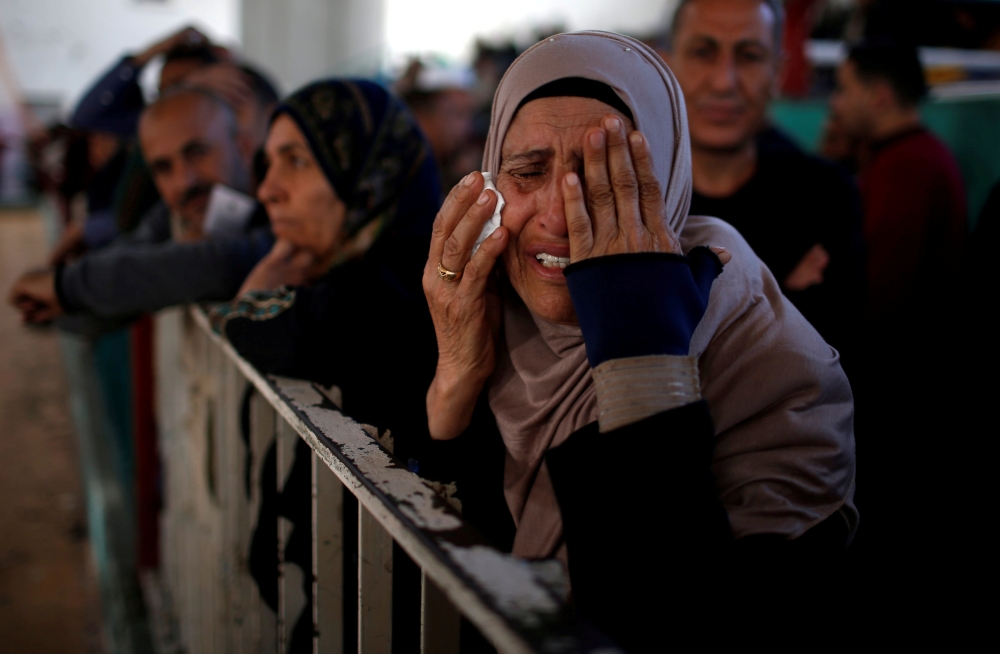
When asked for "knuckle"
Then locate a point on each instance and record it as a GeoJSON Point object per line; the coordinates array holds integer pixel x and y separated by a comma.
{"type": "Point", "coordinates": [452, 250]}
{"type": "Point", "coordinates": [601, 195]}
{"type": "Point", "coordinates": [438, 231]}
{"type": "Point", "coordinates": [650, 189]}
{"type": "Point", "coordinates": [625, 181]}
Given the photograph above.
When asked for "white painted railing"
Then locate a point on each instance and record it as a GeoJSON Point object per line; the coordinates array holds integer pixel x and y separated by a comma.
{"type": "Point", "coordinates": [210, 601]}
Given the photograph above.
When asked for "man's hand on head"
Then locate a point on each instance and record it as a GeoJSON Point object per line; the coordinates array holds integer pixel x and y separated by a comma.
{"type": "Point", "coordinates": [188, 36]}
{"type": "Point", "coordinates": [34, 295]}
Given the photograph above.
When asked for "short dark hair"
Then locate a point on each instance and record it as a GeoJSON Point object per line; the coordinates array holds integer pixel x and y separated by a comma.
{"type": "Point", "coordinates": [777, 30]}
{"type": "Point", "coordinates": [264, 90]}
{"type": "Point", "coordinates": [894, 62]}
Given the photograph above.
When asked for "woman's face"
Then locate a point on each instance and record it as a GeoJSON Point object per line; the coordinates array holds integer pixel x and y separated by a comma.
{"type": "Point", "coordinates": [544, 142]}
{"type": "Point", "coordinates": [301, 203]}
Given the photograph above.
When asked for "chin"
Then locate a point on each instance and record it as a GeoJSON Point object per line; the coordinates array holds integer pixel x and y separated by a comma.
{"type": "Point", "coordinates": [721, 138]}
{"type": "Point", "coordinates": [551, 306]}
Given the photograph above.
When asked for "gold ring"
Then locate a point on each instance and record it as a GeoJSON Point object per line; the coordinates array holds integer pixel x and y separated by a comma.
{"type": "Point", "coordinates": [447, 275]}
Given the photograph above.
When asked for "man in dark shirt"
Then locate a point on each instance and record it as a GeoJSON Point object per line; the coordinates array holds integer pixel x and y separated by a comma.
{"type": "Point", "coordinates": [800, 214]}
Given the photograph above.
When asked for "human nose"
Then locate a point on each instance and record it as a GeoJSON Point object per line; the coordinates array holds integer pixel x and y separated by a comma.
{"type": "Point", "coordinates": [268, 191]}
{"type": "Point", "coordinates": [553, 214]}
{"type": "Point", "coordinates": [723, 74]}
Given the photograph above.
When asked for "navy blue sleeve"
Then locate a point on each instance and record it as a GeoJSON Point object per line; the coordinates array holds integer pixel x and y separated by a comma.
{"type": "Point", "coordinates": [641, 304]}
{"type": "Point", "coordinates": [114, 103]}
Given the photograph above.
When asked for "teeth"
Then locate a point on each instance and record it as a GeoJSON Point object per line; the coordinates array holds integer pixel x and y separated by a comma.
{"type": "Point", "coordinates": [550, 261]}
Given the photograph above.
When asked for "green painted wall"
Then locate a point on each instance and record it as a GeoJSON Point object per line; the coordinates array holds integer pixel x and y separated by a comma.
{"type": "Point", "coordinates": [970, 127]}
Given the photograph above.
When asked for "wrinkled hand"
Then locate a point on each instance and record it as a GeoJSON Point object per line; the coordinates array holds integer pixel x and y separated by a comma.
{"type": "Point", "coordinates": [284, 265]}
{"type": "Point", "coordinates": [465, 311]}
{"type": "Point", "coordinates": [621, 210]}
{"type": "Point", "coordinates": [34, 295]}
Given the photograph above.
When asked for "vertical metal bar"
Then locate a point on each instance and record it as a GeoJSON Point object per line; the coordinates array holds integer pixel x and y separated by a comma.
{"type": "Point", "coordinates": [264, 625]}
{"type": "Point", "coordinates": [328, 559]}
{"type": "Point", "coordinates": [374, 586]}
{"type": "Point", "coordinates": [440, 622]}
{"type": "Point", "coordinates": [291, 600]}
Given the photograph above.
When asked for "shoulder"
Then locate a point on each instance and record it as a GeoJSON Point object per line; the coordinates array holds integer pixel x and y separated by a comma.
{"type": "Point", "coordinates": [777, 395]}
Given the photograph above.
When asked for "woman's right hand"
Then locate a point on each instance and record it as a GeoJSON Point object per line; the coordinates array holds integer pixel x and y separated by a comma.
{"type": "Point", "coordinates": [466, 313]}
{"type": "Point", "coordinates": [284, 265]}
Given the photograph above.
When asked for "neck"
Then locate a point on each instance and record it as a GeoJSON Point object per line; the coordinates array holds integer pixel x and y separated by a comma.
{"type": "Point", "coordinates": [720, 173]}
{"type": "Point", "coordinates": [891, 123]}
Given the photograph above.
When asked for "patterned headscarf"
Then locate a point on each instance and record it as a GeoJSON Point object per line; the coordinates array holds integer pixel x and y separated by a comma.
{"type": "Point", "coordinates": [367, 144]}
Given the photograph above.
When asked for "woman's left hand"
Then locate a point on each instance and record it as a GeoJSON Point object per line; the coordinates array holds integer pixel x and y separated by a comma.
{"type": "Point", "coordinates": [284, 265]}
{"type": "Point", "coordinates": [627, 213]}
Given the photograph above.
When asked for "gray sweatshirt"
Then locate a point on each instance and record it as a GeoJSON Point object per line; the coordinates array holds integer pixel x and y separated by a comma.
{"type": "Point", "coordinates": [146, 271]}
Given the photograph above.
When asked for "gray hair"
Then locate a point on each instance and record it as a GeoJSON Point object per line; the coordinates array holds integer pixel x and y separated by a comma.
{"type": "Point", "coordinates": [776, 6]}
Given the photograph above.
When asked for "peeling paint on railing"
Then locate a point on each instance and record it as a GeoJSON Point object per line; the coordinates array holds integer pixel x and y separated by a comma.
{"type": "Point", "coordinates": [514, 603]}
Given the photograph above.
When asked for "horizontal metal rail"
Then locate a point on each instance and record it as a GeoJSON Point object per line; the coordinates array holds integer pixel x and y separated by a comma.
{"type": "Point", "coordinates": [515, 604]}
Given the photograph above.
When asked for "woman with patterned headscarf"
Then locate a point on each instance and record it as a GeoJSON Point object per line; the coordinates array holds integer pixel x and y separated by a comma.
{"type": "Point", "coordinates": [351, 192]}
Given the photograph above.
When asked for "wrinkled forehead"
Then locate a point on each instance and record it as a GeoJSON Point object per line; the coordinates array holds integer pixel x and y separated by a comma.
{"type": "Point", "coordinates": [180, 119]}
{"type": "Point", "coordinates": [559, 122]}
{"type": "Point", "coordinates": [632, 71]}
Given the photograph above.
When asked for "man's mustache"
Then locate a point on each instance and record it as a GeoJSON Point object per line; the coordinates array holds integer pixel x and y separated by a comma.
{"type": "Point", "coordinates": [196, 191]}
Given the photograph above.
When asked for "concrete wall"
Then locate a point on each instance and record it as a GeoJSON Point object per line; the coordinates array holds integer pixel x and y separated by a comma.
{"type": "Point", "coordinates": [58, 47]}
{"type": "Point", "coordinates": [302, 40]}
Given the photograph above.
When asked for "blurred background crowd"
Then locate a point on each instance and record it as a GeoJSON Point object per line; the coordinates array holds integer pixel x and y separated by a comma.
{"type": "Point", "coordinates": [858, 154]}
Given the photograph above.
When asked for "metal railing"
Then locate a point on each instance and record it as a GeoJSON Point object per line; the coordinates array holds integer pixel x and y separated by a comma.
{"type": "Point", "coordinates": [212, 497]}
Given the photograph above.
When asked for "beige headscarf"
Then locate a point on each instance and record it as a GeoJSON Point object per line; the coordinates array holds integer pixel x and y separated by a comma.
{"type": "Point", "coordinates": [781, 405]}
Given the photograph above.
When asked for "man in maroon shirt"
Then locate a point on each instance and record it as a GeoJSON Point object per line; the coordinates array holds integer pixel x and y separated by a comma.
{"type": "Point", "coordinates": [911, 187]}
{"type": "Point", "coordinates": [914, 225]}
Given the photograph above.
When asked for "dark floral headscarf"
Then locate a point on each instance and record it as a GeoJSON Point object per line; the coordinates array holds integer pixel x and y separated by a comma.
{"type": "Point", "coordinates": [369, 147]}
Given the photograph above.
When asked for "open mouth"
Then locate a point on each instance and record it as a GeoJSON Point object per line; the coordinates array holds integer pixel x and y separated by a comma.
{"type": "Point", "coordinates": [550, 261]}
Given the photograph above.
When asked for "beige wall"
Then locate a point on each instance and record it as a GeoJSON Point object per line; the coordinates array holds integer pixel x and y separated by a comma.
{"type": "Point", "coordinates": [302, 40]}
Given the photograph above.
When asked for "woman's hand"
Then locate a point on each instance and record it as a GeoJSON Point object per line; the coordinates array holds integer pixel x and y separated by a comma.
{"type": "Point", "coordinates": [626, 213]}
{"type": "Point", "coordinates": [284, 265]}
{"type": "Point", "coordinates": [465, 311]}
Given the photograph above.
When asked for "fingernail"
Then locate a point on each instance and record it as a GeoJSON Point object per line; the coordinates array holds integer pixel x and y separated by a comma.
{"type": "Point", "coordinates": [572, 179]}
{"type": "Point", "coordinates": [612, 124]}
{"type": "Point", "coordinates": [497, 233]}
{"type": "Point", "coordinates": [597, 139]}
{"type": "Point", "coordinates": [484, 197]}
{"type": "Point", "coordinates": [635, 138]}
{"type": "Point", "coordinates": [468, 179]}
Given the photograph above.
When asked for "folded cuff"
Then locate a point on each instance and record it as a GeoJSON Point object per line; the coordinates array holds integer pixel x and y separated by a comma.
{"type": "Point", "coordinates": [634, 388]}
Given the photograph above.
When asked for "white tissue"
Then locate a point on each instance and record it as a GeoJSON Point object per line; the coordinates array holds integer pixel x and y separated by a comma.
{"type": "Point", "coordinates": [494, 221]}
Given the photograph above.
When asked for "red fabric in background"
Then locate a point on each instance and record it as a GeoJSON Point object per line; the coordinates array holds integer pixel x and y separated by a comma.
{"type": "Point", "coordinates": [147, 463]}
{"type": "Point", "coordinates": [915, 220]}
{"type": "Point", "coordinates": [798, 25]}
